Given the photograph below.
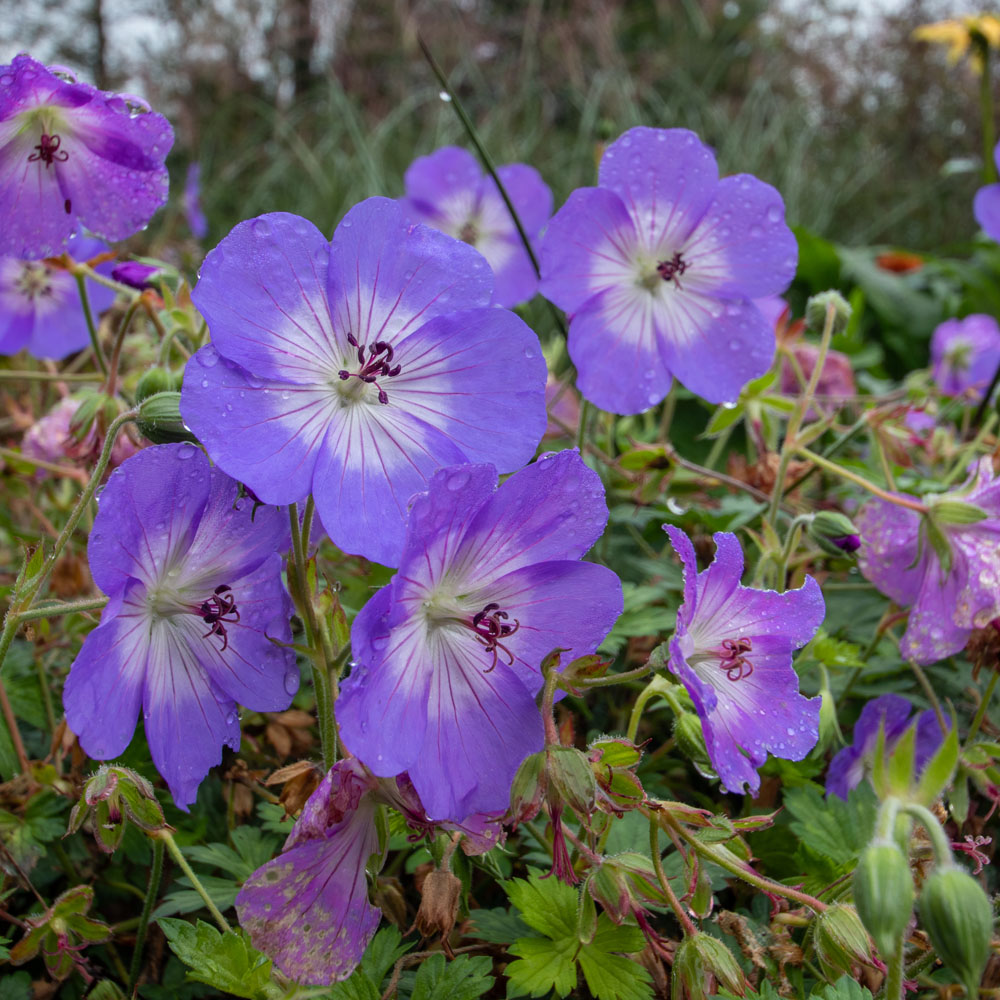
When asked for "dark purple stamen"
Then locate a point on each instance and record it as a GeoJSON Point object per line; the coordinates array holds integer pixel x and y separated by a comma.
{"type": "Point", "coordinates": [490, 626]}
{"type": "Point", "coordinates": [49, 151]}
{"type": "Point", "coordinates": [734, 662]}
{"type": "Point", "coordinates": [378, 365]}
{"type": "Point", "coordinates": [219, 608]}
{"type": "Point", "coordinates": [671, 270]}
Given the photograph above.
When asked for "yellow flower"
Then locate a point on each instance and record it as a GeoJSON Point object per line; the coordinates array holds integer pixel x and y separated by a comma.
{"type": "Point", "coordinates": [961, 34]}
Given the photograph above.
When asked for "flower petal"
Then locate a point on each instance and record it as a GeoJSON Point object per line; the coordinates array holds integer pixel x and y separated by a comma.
{"type": "Point", "coordinates": [986, 209]}
{"type": "Point", "coordinates": [890, 543]}
{"type": "Point", "coordinates": [666, 179]}
{"type": "Point", "coordinates": [262, 292]}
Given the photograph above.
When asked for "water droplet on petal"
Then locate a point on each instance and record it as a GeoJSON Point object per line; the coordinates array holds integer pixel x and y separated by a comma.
{"type": "Point", "coordinates": [186, 451]}
{"type": "Point", "coordinates": [291, 681]}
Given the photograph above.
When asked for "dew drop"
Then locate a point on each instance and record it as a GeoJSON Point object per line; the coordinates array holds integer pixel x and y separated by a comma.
{"type": "Point", "coordinates": [262, 228]}
{"type": "Point", "coordinates": [444, 96]}
{"type": "Point", "coordinates": [209, 359]}
{"type": "Point", "coordinates": [291, 682]}
{"type": "Point", "coordinates": [186, 451]}
{"type": "Point", "coordinates": [457, 481]}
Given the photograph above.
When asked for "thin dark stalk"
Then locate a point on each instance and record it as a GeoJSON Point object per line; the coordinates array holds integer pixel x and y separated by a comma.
{"type": "Point", "coordinates": [152, 889]}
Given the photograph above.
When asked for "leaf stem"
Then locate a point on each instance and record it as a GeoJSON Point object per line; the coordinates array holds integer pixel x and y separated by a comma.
{"type": "Point", "coordinates": [152, 889]}
{"type": "Point", "coordinates": [88, 315]}
{"type": "Point", "coordinates": [175, 852]}
{"type": "Point", "coordinates": [687, 925]}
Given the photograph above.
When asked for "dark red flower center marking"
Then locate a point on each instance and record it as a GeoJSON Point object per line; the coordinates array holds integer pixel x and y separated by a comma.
{"type": "Point", "coordinates": [469, 233]}
{"type": "Point", "coordinates": [49, 151]}
{"type": "Point", "coordinates": [377, 365]}
{"type": "Point", "coordinates": [490, 626]}
{"type": "Point", "coordinates": [218, 611]}
{"type": "Point", "coordinates": [734, 661]}
{"type": "Point", "coordinates": [671, 270]}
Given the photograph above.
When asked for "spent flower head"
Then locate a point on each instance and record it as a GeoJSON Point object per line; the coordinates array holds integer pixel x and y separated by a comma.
{"type": "Point", "coordinates": [449, 653]}
{"type": "Point", "coordinates": [449, 191]}
{"type": "Point", "coordinates": [355, 369]}
{"type": "Point", "coordinates": [195, 598]}
{"type": "Point", "coordinates": [657, 268]}
{"type": "Point", "coordinates": [732, 649]}
{"type": "Point", "coordinates": [72, 154]}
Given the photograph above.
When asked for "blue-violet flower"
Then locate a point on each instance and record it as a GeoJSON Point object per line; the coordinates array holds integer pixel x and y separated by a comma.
{"type": "Point", "coordinates": [965, 354]}
{"type": "Point", "coordinates": [355, 369]}
{"type": "Point", "coordinates": [195, 598]}
{"type": "Point", "coordinates": [732, 649]}
{"type": "Point", "coordinates": [658, 268]}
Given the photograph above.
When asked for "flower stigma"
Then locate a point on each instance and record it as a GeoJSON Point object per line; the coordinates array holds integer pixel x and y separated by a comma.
{"type": "Point", "coordinates": [378, 365]}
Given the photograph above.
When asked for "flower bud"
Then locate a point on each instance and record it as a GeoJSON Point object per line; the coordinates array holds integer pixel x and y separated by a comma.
{"type": "Point", "coordinates": [155, 380]}
{"type": "Point", "coordinates": [841, 940]}
{"type": "Point", "coordinates": [160, 419]}
{"type": "Point", "coordinates": [956, 512]}
{"type": "Point", "coordinates": [134, 274]}
{"type": "Point", "coordinates": [112, 798]}
{"type": "Point", "coordinates": [570, 780]}
{"type": "Point", "coordinates": [834, 533]}
{"type": "Point", "coordinates": [700, 962]}
{"type": "Point", "coordinates": [625, 883]}
{"type": "Point", "coordinates": [613, 761]}
{"type": "Point", "coordinates": [958, 918]}
{"type": "Point", "coordinates": [884, 894]}
{"type": "Point", "coordinates": [690, 740]}
{"type": "Point", "coordinates": [817, 306]}
{"type": "Point", "coordinates": [528, 788]}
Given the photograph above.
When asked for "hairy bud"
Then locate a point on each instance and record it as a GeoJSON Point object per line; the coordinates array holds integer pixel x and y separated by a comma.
{"type": "Point", "coordinates": [884, 894]}
{"type": "Point", "coordinates": [816, 310]}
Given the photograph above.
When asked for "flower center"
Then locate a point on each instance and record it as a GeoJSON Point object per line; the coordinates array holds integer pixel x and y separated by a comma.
{"type": "Point", "coordinates": [469, 233]}
{"type": "Point", "coordinates": [959, 356]}
{"type": "Point", "coordinates": [49, 151]}
{"type": "Point", "coordinates": [34, 281]}
{"type": "Point", "coordinates": [732, 655]}
{"type": "Point", "coordinates": [378, 365]}
{"type": "Point", "coordinates": [671, 270]}
{"type": "Point", "coordinates": [490, 626]}
{"type": "Point", "coordinates": [218, 611]}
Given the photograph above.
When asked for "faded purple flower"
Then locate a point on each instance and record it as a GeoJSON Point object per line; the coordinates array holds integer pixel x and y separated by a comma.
{"type": "Point", "coordinates": [449, 652]}
{"type": "Point", "coordinates": [836, 381]}
{"type": "Point", "coordinates": [52, 440]}
{"type": "Point", "coordinates": [986, 204]}
{"type": "Point", "coordinates": [195, 598]}
{"type": "Point", "coordinates": [134, 274]}
{"type": "Point", "coordinates": [949, 598]}
{"type": "Point", "coordinates": [355, 369]}
{"type": "Point", "coordinates": [449, 191]}
{"type": "Point", "coordinates": [657, 268]}
{"type": "Point", "coordinates": [965, 354]}
{"type": "Point", "coordinates": [196, 220]}
{"type": "Point", "coordinates": [732, 649]}
{"type": "Point", "coordinates": [308, 909]}
{"type": "Point", "coordinates": [71, 154]}
{"type": "Point", "coordinates": [852, 764]}
{"type": "Point", "coordinates": [40, 309]}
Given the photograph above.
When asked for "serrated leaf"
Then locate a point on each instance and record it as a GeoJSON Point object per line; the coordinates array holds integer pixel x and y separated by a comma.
{"type": "Point", "coordinates": [227, 961]}
{"type": "Point", "coordinates": [541, 966]}
{"type": "Point", "coordinates": [610, 976]}
{"type": "Point", "coordinates": [837, 829]}
{"type": "Point", "coordinates": [186, 899]}
{"type": "Point", "coordinates": [548, 906]}
{"type": "Point", "coordinates": [365, 983]}
{"type": "Point", "coordinates": [498, 926]}
{"type": "Point", "coordinates": [845, 988]}
{"type": "Point", "coordinates": [463, 978]}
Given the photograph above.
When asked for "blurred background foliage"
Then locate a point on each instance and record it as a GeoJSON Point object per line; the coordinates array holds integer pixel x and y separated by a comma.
{"type": "Point", "coordinates": [310, 105]}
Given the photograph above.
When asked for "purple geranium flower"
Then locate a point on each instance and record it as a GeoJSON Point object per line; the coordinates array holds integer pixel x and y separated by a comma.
{"type": "Point", "coordinates": [196, 220]}
{"type": "Point", "coordinates": [965, 354]}
{"type": "Point", "coordinates": [52, 439]}
{"type": "Point", "coordinates": [355, 369]}
{"type": "Point", "coordinates": [849, 767]}
{"type": "Point", "coordinates": [449, 191]}
{"type": "Point", "coordinates": [658, 268]}
{"type": "Point", "coordinates": [308, 909]}
{"type": "Point", "coordinates": [732, 649]}
{"type": "Point", "coordinates": [195, 598]}
{"type": "Point", "coordinates": [40, 306]}
{"type": "Point", "coordinates": [449, 652]}
{"type": "Point", "coordinates": [947, 601]}
{"type": "Point", "coordinates": [986, 204]}
{"type": "Point", "coordinates": [70, 153]}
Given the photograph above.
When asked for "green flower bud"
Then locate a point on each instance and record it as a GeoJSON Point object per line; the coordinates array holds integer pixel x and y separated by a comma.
{"type": "Point", "coordinates": [613, 760]}
{"type": "Point", "coordinates": [112, 798]}
{"type": "Point", "coordinates": [958, 918]}
{"type": "Point", "coordinates": [816, 309]}
{"type": "Point", "coordinates": [690, 741]}
{"type": "Point", "coordinates": [956, 512]}
{"type": "Point", "coordinates": [884, 895]}
{"type": "Point", "coordinates": [700, 962]}
{"type": "Point", "coordinates": [155, 380]}
{"type": "Point", "coordinates": [834, 533]}
{"type": "Point", "coordinates": [160, 420]}
{"type": "Point", "coordinates": [841, 940]}
{"type": "Point", "coordinates": [528, 788]}
{"type": "Point", "coordinates": [570, 779]}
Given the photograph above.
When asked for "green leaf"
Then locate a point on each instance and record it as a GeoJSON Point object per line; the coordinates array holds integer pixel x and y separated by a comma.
{"type": "Point", "coordinates": [837, 829]}
{"type": "Point", "coordinates": [499, 926]}
{"type": "Point", "coordinates": [15, 986]}
{"type": "Point", "coordinates": [106, 989]}
{"type": "Point", "coordinates": [464, 978]}
{"type": "Point", "coordinates": [938, 771]}
{"type": "Point", "coordinates": [611, 976]}
{"type": "Point", "coordinates": [227, 961]}
{"type": "Point", "coordinates": [901, 763]}
{"type": "Point", "coordinates": [845, 988]}
{"type": "Point", "coordinates": [185, 899]}
{"type": "Point", "coordinates": [365, 983]}
{"type": "Point", "coordinates": [542, 966]}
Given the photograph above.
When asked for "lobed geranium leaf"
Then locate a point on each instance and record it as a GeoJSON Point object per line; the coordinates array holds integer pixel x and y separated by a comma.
{"type": "Point", "coordinates": [463, 978]}
{"type": "Point", "coordinates": [365, 983]}
{"type": "Point", "coordinates": [227, 961]}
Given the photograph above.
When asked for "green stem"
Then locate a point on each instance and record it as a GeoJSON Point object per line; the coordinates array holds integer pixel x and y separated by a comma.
{"type": "Point", "coordinates": [853, 477]}
{"type": "Point", "coordinates": [657, 687]}
{"type": "Point", "coordinates": [581, 427]}
{"type": "Point", "coordinates": [175, 853]}
{"type": "Point", "coordinates": [938, 838]}
{"type": "Point", "coordinates": [983, 705]}
{"type": "Point", "coordinates": [718, 445]}
{"type": "Point", "coordinates": [789, 444]}
{"type": "Point", "coordinates": [918, 672]}
{"type": "Point", "coordinates": [669, 405]}
{"type": "Point", "coordinates": [116, 350]}
{"type": "Point", "coordinates": [675, 904]}
{"type": "Point", "coordinates": [88, 315]}
{"type": "Point", "coordinates": [612, 679]}
{"type": "Point", "coordinates": [152, 889]}
{"type": "Point", "coordinates": [67, 608]}
{"type": "Point", "coordinates": [8, 375]}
